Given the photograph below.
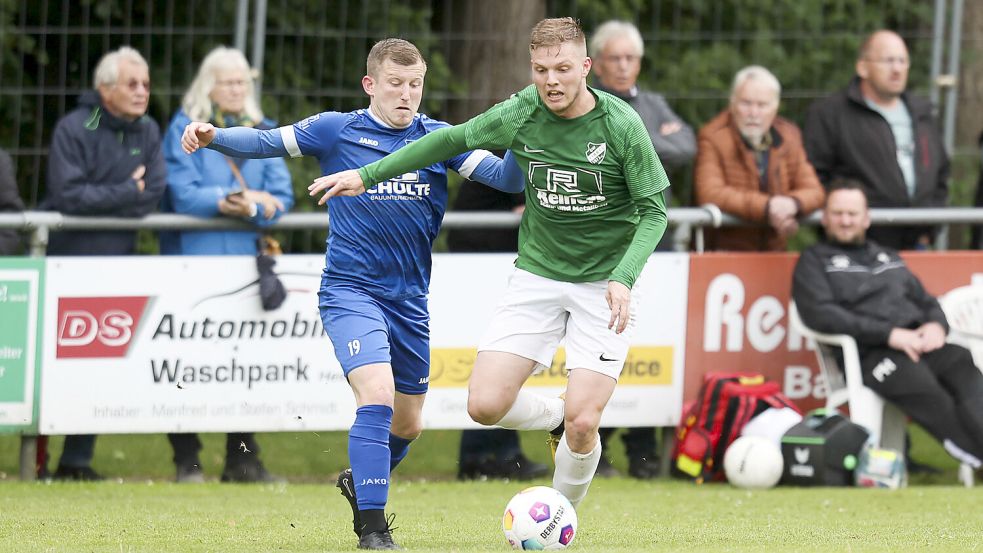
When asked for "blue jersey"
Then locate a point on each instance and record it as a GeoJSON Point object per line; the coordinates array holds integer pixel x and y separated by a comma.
{"type": "Point", "coordinates": [380, 241]}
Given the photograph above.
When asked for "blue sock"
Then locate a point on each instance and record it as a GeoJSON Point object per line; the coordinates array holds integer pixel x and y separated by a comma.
{"type": "Point", "coordinates": [368, 451]}
{"type": "Point", "coordinates": [398, 448]}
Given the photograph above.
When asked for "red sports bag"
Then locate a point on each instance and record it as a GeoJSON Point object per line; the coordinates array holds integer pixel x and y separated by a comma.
{"type": "Point", "coordinates": [726, 402]}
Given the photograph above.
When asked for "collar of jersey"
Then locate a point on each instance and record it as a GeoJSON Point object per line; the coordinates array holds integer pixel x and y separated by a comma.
{"type": "Point", "coordinates": [386, 125]}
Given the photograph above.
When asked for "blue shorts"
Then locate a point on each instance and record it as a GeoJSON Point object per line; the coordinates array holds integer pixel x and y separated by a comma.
{"type": "Point", "coordinates": [365, 329]}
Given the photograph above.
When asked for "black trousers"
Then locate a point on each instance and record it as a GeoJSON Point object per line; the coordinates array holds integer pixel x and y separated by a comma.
{"type": "Point", "coordinates": [494, 443]}
{"type": "Point", "coordinates": [640, 442]}
{"type": "Point", "coordinates": [943, 392]}
{"type": "Point", "coordinates": [239, 446]}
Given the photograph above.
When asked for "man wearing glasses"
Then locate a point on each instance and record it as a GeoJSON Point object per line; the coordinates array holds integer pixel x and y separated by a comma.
{"type": "Point", "coordinates": [105, 160]}
{"type": "Point", "coordinates": [876, 132]}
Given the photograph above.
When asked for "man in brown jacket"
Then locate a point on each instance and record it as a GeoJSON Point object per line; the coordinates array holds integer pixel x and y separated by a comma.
{"type": "Point", "coordinates": [752, 165]}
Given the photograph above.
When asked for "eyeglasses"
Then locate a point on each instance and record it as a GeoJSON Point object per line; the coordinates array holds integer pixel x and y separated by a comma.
{"type": "Point", "coordinates": [231, 83]}
{"type": "Point", "coordinates": [902, 61]}
{"type": "Point", "coordinates": [628, 58]}
{"type": "Point", "coordinates": [135, 85]}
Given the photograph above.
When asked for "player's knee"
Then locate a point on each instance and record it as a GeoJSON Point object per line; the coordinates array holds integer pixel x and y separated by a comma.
{"type": "Point", "coordinates": [483, 411]}
{"type": "Point", "coordinates": [409, 430]}
{"type": "Point", "coordinates": [582, 426]}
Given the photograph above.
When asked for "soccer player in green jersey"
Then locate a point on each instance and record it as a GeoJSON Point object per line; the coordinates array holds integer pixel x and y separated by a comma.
{"type": "Point", "coordinates": [594, 213]}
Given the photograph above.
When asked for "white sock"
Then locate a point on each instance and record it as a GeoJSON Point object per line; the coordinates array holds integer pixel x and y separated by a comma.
{"type": "Point", "coordinates": [533, 412]}
{"type": "Point", "coordinates": [574, 471]}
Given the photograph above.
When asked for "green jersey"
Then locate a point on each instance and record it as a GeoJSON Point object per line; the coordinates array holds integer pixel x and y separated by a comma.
{"type": "Point", "coordinates": [594, 203]}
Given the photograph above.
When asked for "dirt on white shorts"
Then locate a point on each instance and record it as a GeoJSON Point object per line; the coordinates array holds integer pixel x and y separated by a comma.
{"type": "Point", "coordinates": [537, 313]}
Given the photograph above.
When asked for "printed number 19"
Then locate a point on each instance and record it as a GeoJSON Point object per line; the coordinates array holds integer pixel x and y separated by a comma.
{"type": "Point", "coordinates": [354, 347]}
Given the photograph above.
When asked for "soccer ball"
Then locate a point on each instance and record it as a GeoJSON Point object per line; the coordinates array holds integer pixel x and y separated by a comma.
{"type": "Point", "coordinates": [539, 518]}
{"type": "Point", "coordinates": [753, 462]}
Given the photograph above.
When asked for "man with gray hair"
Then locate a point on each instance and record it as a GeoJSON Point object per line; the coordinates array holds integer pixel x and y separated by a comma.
{"type": "Point", "coordinates": [617, 50]}
{"type": "Point", "coordinates": [751, 164]}
{"type": "Point", "coordinates": [105, 160]}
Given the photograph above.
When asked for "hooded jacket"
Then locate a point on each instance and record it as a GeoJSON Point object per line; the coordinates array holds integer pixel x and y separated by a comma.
{"type": "Point", "coordinates": [90, 165]}
{"type": "Point", "coordinates": [863, 290]}
{"type": "Point", "coordinates": [845, 138]}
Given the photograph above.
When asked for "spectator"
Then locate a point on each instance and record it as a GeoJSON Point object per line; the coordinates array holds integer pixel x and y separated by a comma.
{"type": "Point", "coordinates": [10, 202]}
{"type": "Point", "coordinates": [886, 138]}
{"type": "Point", "coordinates": [213, 185]}
{"type": "Point", "coordinates": [491, 453]}
{"type": "Point", "coordinates": [105, 160]}
{"type": "Point", "coordinates": [852, 285]}
{"type": "Point", "coordinates": [975, 241]}
{"type": "Point", "coordinates": [752, 165]}
{"type": "Point", "coordinates": [617, 50]}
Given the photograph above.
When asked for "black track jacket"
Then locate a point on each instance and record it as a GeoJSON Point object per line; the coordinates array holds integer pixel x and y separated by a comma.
{"type": "Point", "coordinates": [861, 290]}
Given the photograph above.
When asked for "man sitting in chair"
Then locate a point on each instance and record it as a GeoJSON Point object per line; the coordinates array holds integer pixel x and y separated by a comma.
{"type": "Point", "coordinates": [851, 285]}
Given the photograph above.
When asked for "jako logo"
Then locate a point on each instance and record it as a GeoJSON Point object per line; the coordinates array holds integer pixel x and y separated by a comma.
{"type": "Point", "coordinates": [97, 327]}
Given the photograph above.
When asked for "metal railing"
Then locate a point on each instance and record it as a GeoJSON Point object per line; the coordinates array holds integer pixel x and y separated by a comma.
{"type": "Point", "coordinates": [686, 222]}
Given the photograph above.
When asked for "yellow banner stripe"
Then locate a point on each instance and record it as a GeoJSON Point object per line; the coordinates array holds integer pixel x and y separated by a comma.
{"type": "Point", "coordinates": [645, 366]}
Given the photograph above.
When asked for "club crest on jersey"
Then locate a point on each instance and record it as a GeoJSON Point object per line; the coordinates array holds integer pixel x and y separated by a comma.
{"type": "Point", "coordinates": [595, 152]}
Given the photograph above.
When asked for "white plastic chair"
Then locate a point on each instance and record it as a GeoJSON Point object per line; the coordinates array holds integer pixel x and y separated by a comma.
{"type": "Point", "coordinates": [845, 386]}
{"type": "Point", "coordinates": [963, 307]}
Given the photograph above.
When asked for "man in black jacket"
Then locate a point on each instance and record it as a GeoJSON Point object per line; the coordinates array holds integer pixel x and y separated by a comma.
{"type": "Point", "coordinates": [851, 285]}
{"type": "Point", "coordinates": [105, 159]}
{"type": "Point", "coordinates": [886, 138]}
{"type": "Point", "coordinates": [10, 202]}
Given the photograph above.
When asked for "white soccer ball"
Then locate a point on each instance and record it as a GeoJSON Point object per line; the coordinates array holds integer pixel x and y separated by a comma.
{"type": "Point", "coordinates": [753, 462]}
{"type": "Point", "coordinates": [539, 518]}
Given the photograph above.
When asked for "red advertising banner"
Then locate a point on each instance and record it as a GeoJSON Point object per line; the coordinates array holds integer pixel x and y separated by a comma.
{"type": "Point", "coordinates": [737, 316]}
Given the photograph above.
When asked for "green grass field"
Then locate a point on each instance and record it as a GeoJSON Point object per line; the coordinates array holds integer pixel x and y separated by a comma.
{"type": "Point", "coordinates": [139, 509]}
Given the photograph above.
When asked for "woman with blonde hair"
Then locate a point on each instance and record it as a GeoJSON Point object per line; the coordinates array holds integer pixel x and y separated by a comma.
{"type": "Point", "coordinates": [213, 185]}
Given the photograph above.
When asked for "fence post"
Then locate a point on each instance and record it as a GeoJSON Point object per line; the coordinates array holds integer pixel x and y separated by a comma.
{"type": "Point", "coordinates": [29, 442]}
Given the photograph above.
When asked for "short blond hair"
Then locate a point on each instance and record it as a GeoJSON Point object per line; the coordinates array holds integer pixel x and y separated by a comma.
{"type": "Point", "coordinates": [556, 31]}
{"type": "Point", "coordinates": [401, 52]}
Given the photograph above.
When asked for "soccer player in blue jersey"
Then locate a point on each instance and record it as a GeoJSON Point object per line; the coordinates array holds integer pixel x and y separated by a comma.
{"type": "Point", "coordinates": [373, 290]}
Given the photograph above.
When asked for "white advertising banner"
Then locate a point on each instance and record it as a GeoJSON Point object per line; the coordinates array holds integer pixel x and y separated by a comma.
{"type": "Point", "coordinates": [167, 344]}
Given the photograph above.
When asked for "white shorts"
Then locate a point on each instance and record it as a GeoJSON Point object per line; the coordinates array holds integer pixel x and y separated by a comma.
{"type": "Point", "coordinates": [536, 313]}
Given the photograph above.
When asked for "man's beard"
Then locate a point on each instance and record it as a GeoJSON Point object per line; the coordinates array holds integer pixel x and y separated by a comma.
{"type": "Point", "coordinates": [754, 137]}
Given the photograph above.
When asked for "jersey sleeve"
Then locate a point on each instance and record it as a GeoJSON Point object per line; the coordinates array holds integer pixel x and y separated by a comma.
{"type": "Point", "coordinates": [493, 129]}
{"type": "Point", "coordinates": [496, 128]}
{"type": "Point", "coordinates": [484, 167]}
{"type": "Point", "coordinates": [314, 136]}
{"type": "Point", "coordinates": [248, 142]}
{"type": "Point", "coordinates": [646, 180]}
{"type": "Point", "coordinates": [435, 147]}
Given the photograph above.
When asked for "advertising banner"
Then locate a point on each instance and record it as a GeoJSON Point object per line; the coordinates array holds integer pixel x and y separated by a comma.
{"type": "Point", "coordinates": [21, 282]}
{"type": "Point", "coordinates": [738, 316]}
{"type": "Point", "coordinates": [464, 292]}
{"type": "Point", "coordinates": [181, 344]}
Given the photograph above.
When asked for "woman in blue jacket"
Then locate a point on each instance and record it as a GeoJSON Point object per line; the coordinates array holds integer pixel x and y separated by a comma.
{"type": "Point", "coordinates": [213, 185]}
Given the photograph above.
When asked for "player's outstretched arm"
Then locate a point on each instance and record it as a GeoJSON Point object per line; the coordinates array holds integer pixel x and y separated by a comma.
{"type": "Point", "coordinates": [197, 135]}
{"type": "Point", "coordinates": [345, 183]}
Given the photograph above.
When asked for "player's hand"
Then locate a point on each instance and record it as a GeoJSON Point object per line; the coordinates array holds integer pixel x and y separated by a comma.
{"type": "Point", "coordinates": [933, 336]}
{"type": "Point", "coordinates": [619, 300]}
{"type": "Point", "coordinates": [908, 341]}
{"type": "Point", "coordinates": [345, 183]}
{"type": "Point", "coordinates": [197, 135]}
